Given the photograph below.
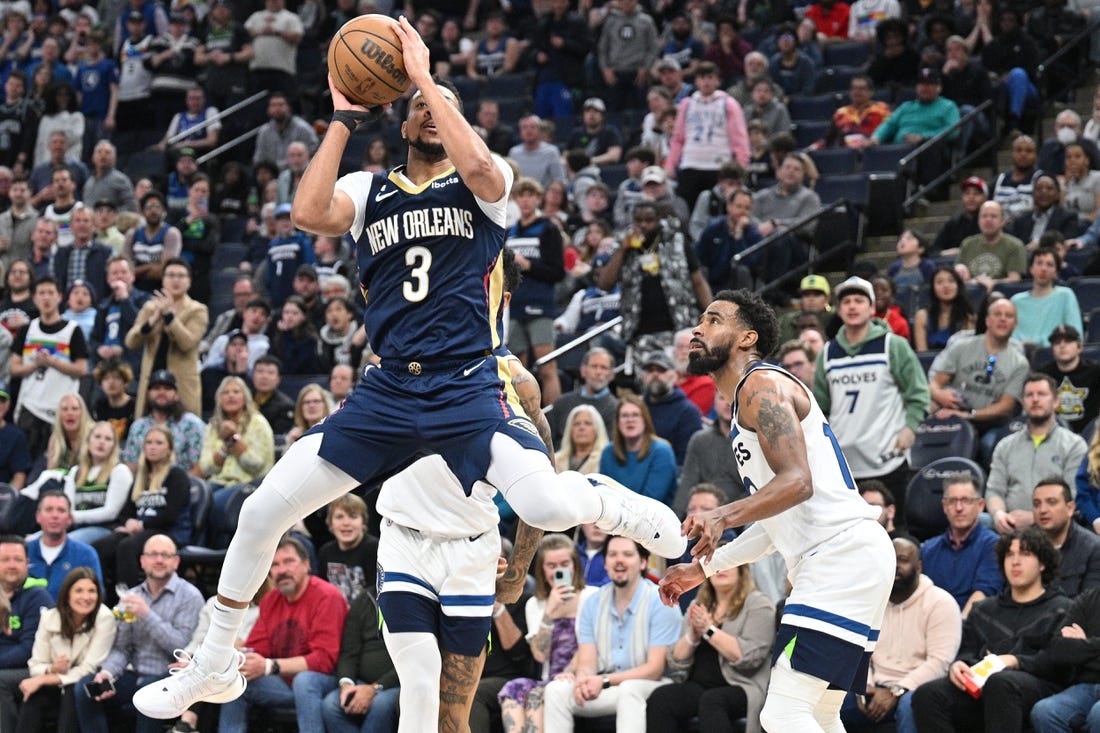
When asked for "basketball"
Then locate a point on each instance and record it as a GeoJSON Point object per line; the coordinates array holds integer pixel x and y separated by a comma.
{"type": "Point", "coordinates": [365, 61]}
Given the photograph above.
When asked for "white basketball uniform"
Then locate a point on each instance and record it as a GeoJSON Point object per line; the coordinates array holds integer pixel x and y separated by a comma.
{"type": "Point", "coordinates": [840, 561]}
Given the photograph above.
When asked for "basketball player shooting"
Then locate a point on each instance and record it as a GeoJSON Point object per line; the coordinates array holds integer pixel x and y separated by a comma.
{"type": "Point", "coordinates": [428, 237]}
{"type": "Point", "coordinates": [802, 503]}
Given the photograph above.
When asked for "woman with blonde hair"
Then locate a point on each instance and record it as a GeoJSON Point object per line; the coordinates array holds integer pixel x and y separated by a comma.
{"type": "Point", "coordinates": [720, 664]}
{"type": "Point", "coordinates": [98, 485]}
{"type": "Point", "coordinates": [551, 630]}
{"type": "Point", "coordinates": [582, 442]}
{"type": "Point", "coordinates": [72, 640]}
{"type": "Point", "coordinates": [636, 457]}
{"type": "Point", "coordinates": [158, 504]}
{"type": "Point", "coordinates": [70, 430]}
{"type": "Point", "coordinates": [238, 448]}
{"type": "Point", "coordinates": [310, 408]}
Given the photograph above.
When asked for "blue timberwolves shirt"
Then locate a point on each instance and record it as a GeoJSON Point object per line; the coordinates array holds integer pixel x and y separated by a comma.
{"type": "Point", "coordinates": [429, 263]}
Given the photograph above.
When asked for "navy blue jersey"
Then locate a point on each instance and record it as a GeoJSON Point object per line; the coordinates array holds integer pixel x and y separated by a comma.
{"type": "Point", "coordinates": [429, 263]}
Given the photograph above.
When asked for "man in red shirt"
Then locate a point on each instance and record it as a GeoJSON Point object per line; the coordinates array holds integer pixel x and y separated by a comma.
{"type": "Point", "coordinates": [294, 644]}
{"type": "Point", "coordinates": [831, 18]}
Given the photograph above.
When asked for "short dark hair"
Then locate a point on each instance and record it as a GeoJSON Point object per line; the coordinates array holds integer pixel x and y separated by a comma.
{"type": "Point", "coordinates": [46, 280]}
{"type": "Point", "coordinates": [755, 314]}
{"type": "Point", "coordinates": [642, 153]}
{"type": "Point", "coordinates": [873, 484]}
{"type": "Point", "coordinates": [152, 195]}
{"type": "Point", "coordinates": [54, 492]}
{"type": "Point", "coordinates": [1067, 492]}
{"type": "Point", "coordinates": [964, 478]}
{"type": "Point", "coordinates": [709, 488]}
{"type": "Point", "coordinates": [13, 539]}
{"type": "Point", "coordinates": [178, 262]}
{"type": "Point", "coordinates": [1040, 377]}
{"type": "Point", "coordinates": [577, 159]}
{"type": "Point", "coordinates": [269, 359]}
{"type": "Point", "coordinates": [259, 302]}
{"type": "Point", "coordinates": [1035, 541]}
{"type": "Point", "coordinates": [1040, 251]}
{"type": "Point", "coordinates": [643, 552]}
{"type": "Point", "coordinates": [706, 68]}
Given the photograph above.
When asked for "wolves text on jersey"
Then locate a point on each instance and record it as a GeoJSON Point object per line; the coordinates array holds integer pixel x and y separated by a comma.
{"type": "Point", "coordinates": [406, 226]}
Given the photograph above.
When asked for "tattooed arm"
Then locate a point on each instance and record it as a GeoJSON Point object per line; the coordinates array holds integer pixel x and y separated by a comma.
{"type": "Point", "coordinates": [772, 405]}
{"type": "Point", "coordinates": [510, 587]}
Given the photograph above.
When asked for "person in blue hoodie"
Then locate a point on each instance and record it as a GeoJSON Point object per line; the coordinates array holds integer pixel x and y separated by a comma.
{"type": "Point", "coordinates": [54, 515]}
{"type": "Point", "coordinates": [23, 602]}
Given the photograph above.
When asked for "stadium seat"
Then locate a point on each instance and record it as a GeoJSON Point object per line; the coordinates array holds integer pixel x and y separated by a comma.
{"type": "Point", "coordinates": [469, 89]}
{"type": "Point", "coordinates": [911, 298]}
{"type": "Point", "coordinates": [233, 228]}
{"type": "Point", "coordinates": [1091, 351]}
{"type": "Point", "coordinates": [508, 85]}
{"type": "Point", "coordinates": [291, 384]}
{"type": "Point", "coordinates": [1080, 257]}
{"type": "Point", "coordinates": [1092, 330]}
{"type": "Point", "coordinates": [221, 290]}
{"type": "Point", "coordinates": [229, 255]}
{"type": "Point", "coordinates": [938, 439]}
{"type": "Point", "coordinates": [884, 158]}
{"type": "Point", "coordinates": [1087, 290]}
{"type": "Point", "coordinates": [813, 107]}
{"type": "Point", "coordinates": [854, 54]}
{"type": "Point", "coordinates": [851, 187]}
{"type": "Point", "coordinates": [1008, 289]}
{"type": "Point", "coordinates": [976, 292]}
{"type": "Point", "coordinates": [834, 79]}
{"type": "Point", "coordinates": [835, 161]}
{"type": "Point", "coordinates": [201, 500]}
{"type": "Point", "coordinates": [807, 132]}
{"type": "Point", "coordinates": [926, 358]}
{"type": "Point", "coordinates": [924, 495]}
{"type": "Point", "coordinates": [1089, 430]}
{"type": "Point", "coordinates": [146, 164]}
{"type": "Point", "coordinates": [513, 108]}
{"type": "Point", "coordinates": [614, 174]}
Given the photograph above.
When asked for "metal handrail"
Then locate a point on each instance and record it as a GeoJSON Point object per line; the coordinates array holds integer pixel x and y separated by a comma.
{"type": "Point", "coordinates": [992, 142]}
{"type": "Point", "coordinates": [243, 137]}
{"type": "Point", "coordinates": [808, 266]}
{"type": "Point", "coordinates": [1045, 100]}
{"type": "Point", "coordinates": [216, 118]}
{"type": "Point", "coordinates": [584, 338]}
{"type": "Point", "coordinates": [780, 233]}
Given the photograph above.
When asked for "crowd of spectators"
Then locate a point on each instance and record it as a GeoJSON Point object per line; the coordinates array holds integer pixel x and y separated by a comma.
{"type": "Point", "coordinates": [164, 325]}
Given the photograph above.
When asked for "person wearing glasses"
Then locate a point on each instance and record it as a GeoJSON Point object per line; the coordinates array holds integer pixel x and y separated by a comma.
{"type": "Point", "coordinates": [158, 615]}
{"type": "Point", "coordinates": [961, 560]}
{"type": "Point", "coordinates": [1042, 450]}
{"type": "Point", "coordinates": [171, 314]}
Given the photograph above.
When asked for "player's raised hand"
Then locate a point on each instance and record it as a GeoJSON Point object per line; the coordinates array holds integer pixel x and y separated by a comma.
{"type": "Point", "coordinates": [417, 62]}
{"type": "Point", "coordinates": [708, 527]}
{"type": "Point", "coordinates": [678, 580]}
{"type": "Point", "coordinates": [340, 102]}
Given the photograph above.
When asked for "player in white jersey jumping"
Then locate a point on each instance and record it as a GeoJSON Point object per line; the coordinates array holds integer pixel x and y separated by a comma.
{"type": "Point", "coordinates": [804, 504]}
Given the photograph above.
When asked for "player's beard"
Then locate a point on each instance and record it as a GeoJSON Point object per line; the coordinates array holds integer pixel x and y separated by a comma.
{"type": "Point", "coordinates": [708, 360]}
{"type": "Point", "coordinates": [434, 152]}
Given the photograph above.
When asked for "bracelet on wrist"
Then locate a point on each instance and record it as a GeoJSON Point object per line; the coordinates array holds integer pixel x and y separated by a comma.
{"type": "Point", "coordinates": [500, 611]}
{"type": "Point", "coordinates": [267, 667]}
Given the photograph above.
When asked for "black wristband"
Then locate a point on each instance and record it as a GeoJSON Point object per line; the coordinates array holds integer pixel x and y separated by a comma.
{"type": "Point", "coordinates": [350, 119]}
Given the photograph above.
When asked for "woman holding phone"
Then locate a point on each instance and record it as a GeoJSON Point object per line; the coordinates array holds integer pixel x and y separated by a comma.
{"type": "Point", "coordinates": [72, 641]}
{"type": "Point", "coordinates": [552, 630]}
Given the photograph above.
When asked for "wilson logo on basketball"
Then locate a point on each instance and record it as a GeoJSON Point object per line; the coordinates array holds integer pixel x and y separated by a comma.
{"type": "Point", "coordinates": [373, 52]}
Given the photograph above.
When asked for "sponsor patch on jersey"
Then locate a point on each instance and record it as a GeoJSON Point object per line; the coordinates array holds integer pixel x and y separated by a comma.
{"type": "Point", "coordinates": [524, 424]}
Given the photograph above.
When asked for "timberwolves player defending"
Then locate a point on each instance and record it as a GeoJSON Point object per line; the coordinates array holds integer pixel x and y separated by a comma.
{"type": "Point", "coordinates": [803, 503]}
{"type": "Point", "coordinates": [428, 238]}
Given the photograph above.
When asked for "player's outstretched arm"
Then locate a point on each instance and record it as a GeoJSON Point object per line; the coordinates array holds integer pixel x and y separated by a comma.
{"type": "Point", "coordinates": [318, 207]}
{"type": "Point", "coordinates": [465, 148]}
{"type": "Point", "coordinates": [768, 404]}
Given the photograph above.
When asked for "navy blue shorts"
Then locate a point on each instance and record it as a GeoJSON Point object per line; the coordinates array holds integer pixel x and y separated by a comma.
{"type": "Point", "coordinates": [841, 663]}
{"type": "Point", "coordinates": [392, 417]}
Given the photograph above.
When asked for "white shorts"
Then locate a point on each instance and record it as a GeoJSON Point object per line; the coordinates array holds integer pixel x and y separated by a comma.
{"type": "Point", "coordinates": [440, 586]}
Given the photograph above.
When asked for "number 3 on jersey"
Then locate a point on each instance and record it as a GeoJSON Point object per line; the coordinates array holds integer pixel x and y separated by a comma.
{"type": "Point", "coordinates": [419, 259]}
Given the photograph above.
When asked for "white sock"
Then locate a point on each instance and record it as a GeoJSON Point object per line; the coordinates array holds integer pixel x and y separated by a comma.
{"type": "Point", "coordinates": [217, 651]}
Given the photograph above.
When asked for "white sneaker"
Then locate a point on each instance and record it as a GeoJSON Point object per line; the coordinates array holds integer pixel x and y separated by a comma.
{"type": "Point", "coordinates": [652, 524]}
{"type": "Point", "coordinates": [184, 686]}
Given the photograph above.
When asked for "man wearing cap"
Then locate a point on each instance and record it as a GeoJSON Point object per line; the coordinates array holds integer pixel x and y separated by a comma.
{"type": "Point", "coordinates": [965, 223]}
{"type": "Point", "coordinates": [307, 286]}
{"type": "Point", "coordinates": [50, 355]}
{"type": "Point", "coordinates": [105, 218]}
{"type": "Point", "coordinates": [164, 409]}
{"type": "Point", "coordinates": [285, 254]}
{"type": "Point", "coordinates": [106, 183]}
{"type": "Point", "coordinates": [872, 388]}
{"type": "Point", "coordinates": [42, 175]}
{"type": "Point", "coordinates": [1078, 379]}
{"type": "Point", "coordinates": [655, 188]}
{"type": "Point", "coordinates": [180, 179]}
{"type": "Point", "coordinates": [638, 158]}
{"type": "Point", "coordinates": [915, 121]}
{"type": "Point", "coordinates": [992, 255]}
{"type": "Point", "coordinates": [675, 417]}
{"type": "Point", "coordinates": [132, 38]}
{"type": "Point", "coordinates": [254, 320]}
{"type": "Point", "coordinates": [602, 142]}
{"type": "Point", "coordinates": [15, 456]}
{"type": "Point", "coordinates": [814, 290]}
{"type": "Point", "coordinates": [535, 157]}
{"type": "Point", "coordinates": [626, 50]}
{"type": "Point", "coordinates": [670, 77]}
{"type": "Point", "coordinates": [710, 129]}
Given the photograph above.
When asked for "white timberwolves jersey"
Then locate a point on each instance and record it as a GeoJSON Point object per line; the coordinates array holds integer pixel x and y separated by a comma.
{"type": "Point", "coordinates": [835, 505]}
{"type": "Point", "coordinates": [428, 496]}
